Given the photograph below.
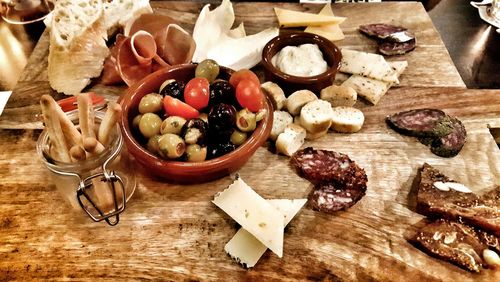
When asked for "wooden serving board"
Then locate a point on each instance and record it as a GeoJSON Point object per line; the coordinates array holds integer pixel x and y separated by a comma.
{"type": "Point", "coordinates": [429, 64]}
{"type": "Point", "coordinates": [174, 232]}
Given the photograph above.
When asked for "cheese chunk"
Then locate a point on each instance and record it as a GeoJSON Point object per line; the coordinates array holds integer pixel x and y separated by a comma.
{"type": "Point", "coordinates": [372, 89]}
{"type": "Point", "coordinates": [289, 18]}
{"type": "Point", "coordinates": [245, 248]}
{"type": "Point", "coordinates": [331, 32]}
{"type": "Point", "coordinates": [253, 213]}
{"type": "Point", "coordinates": [367, 64]}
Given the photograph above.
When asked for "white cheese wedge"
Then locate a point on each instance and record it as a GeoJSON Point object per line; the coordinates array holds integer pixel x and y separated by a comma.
{"type": "Point", "coordinates": [331, 32]}
{"type": "Point", "coordinates": [289, 18]}
{"type": "Point", "coordinates": [367, 64]}
{"type": "Point", "coordinates": [370, 89]}
{"type": "Point", "coordinates": [254, 214]}
{"type": "Point", "coordinates": [245, 248]}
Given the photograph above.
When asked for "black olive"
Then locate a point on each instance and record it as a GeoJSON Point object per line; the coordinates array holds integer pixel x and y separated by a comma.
{"type": "Point", "coordinates": [195, 131]}
{"type": "Point", "coordinates": [219, 149]}
{"type": "Point", "coordinates": [222, 117]}
{"type": "Point", "coordinates": [222, 92]}
{"type": "Point", "coordinates": [174, 89]}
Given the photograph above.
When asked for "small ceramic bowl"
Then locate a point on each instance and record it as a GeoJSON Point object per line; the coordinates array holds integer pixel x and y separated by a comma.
{"type": "Point", "coordinates": [177, 171]}
{"type": "Point", "coordinates": [291, 83]}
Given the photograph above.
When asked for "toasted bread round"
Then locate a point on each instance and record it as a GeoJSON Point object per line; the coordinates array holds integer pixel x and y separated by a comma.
{"type": "Point", "coordinates": [347, 119]}
{"type": "Point", "coordinates": [275, 94]}
{"type": "Point", "coordinates": [316, 116]}
{"type": "Point", "coordinates": [298, 99]}
{"type": "Point", "coordinates": [280, 121]}
{"type": "Point", "coordinates": [290, 140]}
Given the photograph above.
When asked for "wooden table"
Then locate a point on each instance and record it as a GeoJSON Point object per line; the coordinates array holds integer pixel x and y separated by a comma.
{"type": "Point", "coordinates": [174, 232]}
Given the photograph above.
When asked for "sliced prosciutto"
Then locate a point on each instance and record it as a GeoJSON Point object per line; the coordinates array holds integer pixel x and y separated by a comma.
{"type": "Point", "coordinates": [175, 45]}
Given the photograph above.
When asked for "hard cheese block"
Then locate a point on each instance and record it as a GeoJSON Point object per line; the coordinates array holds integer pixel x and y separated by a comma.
{"type": "Point", "coordinates": [367, 64]}
{"type": "Point", "coordinates": [289, 18]}
{"type": "Point", "coordinates": [331, 32]}
{"type": "Point", "coordinates": [245, 248]}
{"type": "Point", "coordinates": [372, 89]}
{"type": "Point", "coordinates": [254, 214]}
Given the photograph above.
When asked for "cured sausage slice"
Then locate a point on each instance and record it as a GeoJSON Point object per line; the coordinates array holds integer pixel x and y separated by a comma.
{"type": "Point", "coordinates": [396, 48]}
{"type": "Point", "coordinates": [380, 30]}
{"type": "Point", "coordinates": [420, 123]}
{"type": "Point", "coordinates": [330, 198]}
{"type": "Point", "coordinates": [340, 182]}
{"type": "Point", "coordinates": [450, 145]}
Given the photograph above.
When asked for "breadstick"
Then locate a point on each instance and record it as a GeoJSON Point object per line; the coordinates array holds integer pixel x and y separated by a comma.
{"type": "Point", "coordinates": [71, 133]}
{"type": "Point", "coordinates": [91, 145]}
{"type": "Point", "coordinates": [109, 121]}
{"type": "Point", "coordinates": [86, 116]}
{"type": "Point", "coordinates": [54, 130]}
{"type": "Point", "coordinates": [77, 153]}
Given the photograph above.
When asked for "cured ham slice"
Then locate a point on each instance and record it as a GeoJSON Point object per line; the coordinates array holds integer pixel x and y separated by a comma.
{"type": "Point", "coordinates": [110, 73]}
{"type": "Point", "coordinates": [175, 45]}
{"type": "Point", "coordinates": [151, 23]}
{"type": "Point", "coordinates": [130, 69]}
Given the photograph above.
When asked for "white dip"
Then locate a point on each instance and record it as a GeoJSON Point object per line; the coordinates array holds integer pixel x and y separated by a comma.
{"type": "Point", "coordinates": [302, 60]}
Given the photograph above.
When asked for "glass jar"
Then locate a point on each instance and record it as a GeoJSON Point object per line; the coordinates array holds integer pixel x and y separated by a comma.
{"type": "Point", "coordinates": [100, 185]}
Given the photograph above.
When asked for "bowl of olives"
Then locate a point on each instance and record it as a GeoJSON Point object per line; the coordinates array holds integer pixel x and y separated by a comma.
{"type": "Point", "coordinates": [194, 123]}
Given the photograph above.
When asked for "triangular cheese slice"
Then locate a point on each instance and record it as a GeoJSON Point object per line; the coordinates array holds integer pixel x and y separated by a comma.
{"type": "Point", "coordinates": [289, 18]}
{"type": "Point", "coordinates": [245, 248]}
{"type": "Point", "coordinates": [254, 214]}
{"type": "Point", "coordinates": [331, 32]}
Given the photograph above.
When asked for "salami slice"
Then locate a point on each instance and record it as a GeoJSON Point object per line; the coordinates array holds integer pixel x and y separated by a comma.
{"type": "Point", "coordinates": [396, 48]}
{"type": "Point", "coordinates": [421, 123]}
{"type": "Point", "coordinates": [450, 145]}
{"type": "Point", "coordinates": [330, 198]}
{"type": "Point", "coordinates": [380, 30]}
{"type": "Point", "coordinates": [323, 166]}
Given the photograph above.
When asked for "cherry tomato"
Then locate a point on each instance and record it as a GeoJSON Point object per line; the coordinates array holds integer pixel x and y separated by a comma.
{"type": "Point", "coordinates": [197, 93]}
{"type": "Point", "coordinates": [249, 95]}
{"type": "Point", "coordinates": [241, 75]}
{"type": "Point", "coordinates": [175, 107]}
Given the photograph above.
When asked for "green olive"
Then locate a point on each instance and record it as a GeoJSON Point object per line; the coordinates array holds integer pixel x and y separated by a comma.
{"type": "Point", "coordinates": [135, 122]}
{"type": "Point", "coordinates": [238, 137]}
{"type": "Point", "coordinates": [172, 124]}
{"type": "Point", "coordinates": [150, 103]}
{"type": "Point", "coordinates": [208, 69]}
{"type": "Point", "coordinates": [165, 83]}
{"type": "Point", "coordinates": [196, 153]}
{"type": "Point", "coordinates": [260, 115]}
{"type": "Point", "coordinates": [203, 116]}
{"type": "Point", "coordinates": [152, 145]}
{"type": "Point", "coordinates": [171, 146]}
{"type": "Point", "coordinates": [245, 120]}
{"type": "Point", "coordinates": [149, 125]}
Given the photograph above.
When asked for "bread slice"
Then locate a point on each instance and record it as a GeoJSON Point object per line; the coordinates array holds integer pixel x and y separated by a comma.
{"type": "Point", "coordinates": [367, 64]}
{"type": "Point", "coordinates": [290, 140]}
{"type": "Point", "coordinates": [281, 120]}
{"type": "Point", "coordinates": [298, 99]}
{"type": "Point", "coordinates": [275, 94]}
{"type": "Point", "coordinates": [347, 119]}
{"type": "Point", "coordinates": [339, 95]}
{"type": "Point", "coordinates": [316, 116]}
{"type": "Point", "coordinates": [118, 12]}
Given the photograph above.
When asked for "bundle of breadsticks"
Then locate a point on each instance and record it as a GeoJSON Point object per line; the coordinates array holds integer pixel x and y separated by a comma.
{"type": "Point", "coordinates": [68, 144]}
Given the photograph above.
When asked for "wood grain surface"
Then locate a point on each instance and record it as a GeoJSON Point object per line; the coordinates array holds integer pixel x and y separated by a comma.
{"type": "Point", "coordinates": [429, 64]}
{"type": "Point", "coordinates": [173, 232]}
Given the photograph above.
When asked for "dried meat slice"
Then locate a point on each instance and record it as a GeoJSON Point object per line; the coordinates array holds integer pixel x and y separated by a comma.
{"type": "Point", "coordinates": [457, 204]}
{"type": "Point", "coordinates": [450, 145]}
{"type": "Point", "coordinates": [456, 243]}
{"type": "Point", "coordinates": [397, 48]}
{"type": "Point", "coordinates": [380, 30]}
{"type": "Point", "coordinates": [330, 198]}
{"type": "Point", "coordinates": [421, 123]}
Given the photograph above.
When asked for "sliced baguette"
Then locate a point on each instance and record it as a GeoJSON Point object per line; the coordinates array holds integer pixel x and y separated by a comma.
{"type": "Point", "coordinates": [316, 116]}
{"type": "Point", "coordinates": [290, 140]}
{"type": "Point", "coordinates": [347, 119]}
{"type": "Point", "coordinates": [298, 99]}
{"type": "Point", "coordinates": [281, 120]}
{"type": "Point", "coordinates": [339, 95]}
{"type": "Point", "coordinates": [118, 12]}
{"type": "Point", "coordinates": [275, 94]}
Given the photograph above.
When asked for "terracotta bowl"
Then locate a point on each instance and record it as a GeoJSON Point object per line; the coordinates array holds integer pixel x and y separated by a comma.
{"type": "Point", "coordinates": [185, 172]}
{"type": "Point", "coordinates": [291, 83]}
